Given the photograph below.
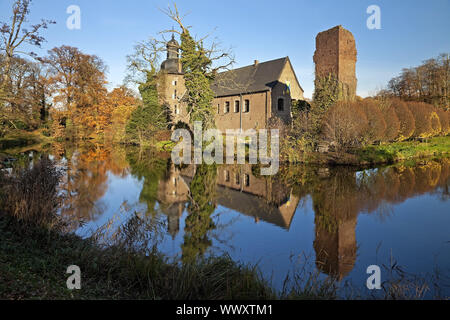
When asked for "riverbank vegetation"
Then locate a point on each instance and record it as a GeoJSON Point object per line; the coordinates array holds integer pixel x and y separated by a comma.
{"type": "Point", "coordinates": [347, 130]}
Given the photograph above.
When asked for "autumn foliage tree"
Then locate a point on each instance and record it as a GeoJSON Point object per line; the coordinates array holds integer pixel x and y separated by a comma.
{"type": "Point", "coordinates": [122, 103]}
{"type": "Point", "coordinates": [77, 83]}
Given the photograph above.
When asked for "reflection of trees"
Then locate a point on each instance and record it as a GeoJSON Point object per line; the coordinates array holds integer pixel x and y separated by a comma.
{"type": "Point", "coordinates": [199, 222]}
{"type": "Point", "coordinates": [151, 167]}
{"type": "Point", "coordinates": [85, 179]}
{"type": "Point", "coordinates": [339, 195]}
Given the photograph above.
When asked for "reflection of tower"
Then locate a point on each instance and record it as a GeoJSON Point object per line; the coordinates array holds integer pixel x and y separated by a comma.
{"type": "Point", "coordinates": [336, 213]}
{"type": "Point", "coordinates": [173, 219]}
{"type": "Point", "coordinates": [172, 196]}
{"type": "Point", "coordinates": [336, 249]}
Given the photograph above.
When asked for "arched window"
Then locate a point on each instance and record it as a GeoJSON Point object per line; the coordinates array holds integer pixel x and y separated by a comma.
{"type": "Point", "coordinates": [280, 104]}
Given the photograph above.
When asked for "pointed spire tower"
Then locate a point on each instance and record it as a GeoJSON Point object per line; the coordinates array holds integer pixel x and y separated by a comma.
{"type": "Point", "coordinates": [172, 64]}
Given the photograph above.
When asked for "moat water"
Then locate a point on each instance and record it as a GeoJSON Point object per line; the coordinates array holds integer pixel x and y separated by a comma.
{"type": "Point", "coordinates": [330, 221]}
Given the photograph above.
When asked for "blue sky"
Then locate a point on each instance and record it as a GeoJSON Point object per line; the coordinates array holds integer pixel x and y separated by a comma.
{"type": "Point", "coordinates": [412, 31]}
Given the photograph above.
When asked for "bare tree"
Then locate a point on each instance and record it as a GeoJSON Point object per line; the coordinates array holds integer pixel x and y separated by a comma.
{"type": "Point", "coordinates": [14, 34]}
{"type": "Point", "coordinates": [145, 58]}
{"type": "Point", "coordinates": [221, 59]}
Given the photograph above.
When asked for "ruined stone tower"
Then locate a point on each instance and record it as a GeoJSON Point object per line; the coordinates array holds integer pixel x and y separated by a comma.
{"type": "Point", "coordinates": [336, 54]}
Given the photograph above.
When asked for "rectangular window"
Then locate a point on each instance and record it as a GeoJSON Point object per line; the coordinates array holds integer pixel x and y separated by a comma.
{"type": "Point", "coordinates": [227, 107]}
{"type": "Point", "coordinates": [236, 106]}
{"type": "Point", "coordinates": [174, 94]}
{"type": "Point", "coordinates": [247, 180]}
{"type": "Point", "coordinates": [247, 106]}
{"type": "Point", "coordinates": [238, 179]}
{"type": "Point", "coordinates": [227, 176]}
{"type": "Point", "coordinates": [175, 82]}
{"type": "Point", "coordinates": [218, 108]}
{"type": "Point", "coordinates": [177, 109]}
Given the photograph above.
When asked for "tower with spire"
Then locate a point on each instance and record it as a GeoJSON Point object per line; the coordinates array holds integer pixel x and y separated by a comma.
{"type": "Point", "coordinates": [173, 88]}
{"type": "Point", "coordinates": [172, 64]}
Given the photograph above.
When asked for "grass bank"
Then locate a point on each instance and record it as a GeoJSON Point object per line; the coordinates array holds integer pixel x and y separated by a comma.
{"type": "Point", "coordinates": [382, 154]}
{"type": "Point", "coordinates": [401, 151]}
{"type": "Point", "coordinates": [19, 139]}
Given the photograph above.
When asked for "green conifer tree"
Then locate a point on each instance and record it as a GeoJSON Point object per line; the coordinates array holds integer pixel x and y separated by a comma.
{"type": "Point", "coordinates": [195, 64]}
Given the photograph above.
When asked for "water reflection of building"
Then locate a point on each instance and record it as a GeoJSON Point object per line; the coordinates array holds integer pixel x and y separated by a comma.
{"type": "Point", "coordinates": [264, 200]}
{"type": "Point", "coordinates": [238, 189]}
{"type": "Point", "coordinates": [339, 196]}
{"type": "Point", "coordinates": [173, 193]}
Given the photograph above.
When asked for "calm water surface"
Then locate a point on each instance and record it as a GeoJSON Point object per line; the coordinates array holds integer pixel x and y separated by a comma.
{"type": "Point", "coordinates": [337, 221]}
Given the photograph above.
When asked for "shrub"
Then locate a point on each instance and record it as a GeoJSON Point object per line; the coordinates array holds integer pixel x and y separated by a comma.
{"type": "Point", "coordinates": [344, 125]}
{"type": "Point", "coordinates": [444, 119]}
{"type": "Point", "coordinates": [31, 194]}
{"type": "Point", "coordinates": [426, 119]}
{"type": "Point", "coordinates": [392, 125]}
{"type": "Point", "coordinates": [376, 124]}
{"type": "Point", "coordinates": [406, 118]}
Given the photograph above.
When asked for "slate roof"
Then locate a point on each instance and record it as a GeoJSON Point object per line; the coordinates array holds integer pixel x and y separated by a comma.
{"type": "Point", "coordinates": [254, 78]}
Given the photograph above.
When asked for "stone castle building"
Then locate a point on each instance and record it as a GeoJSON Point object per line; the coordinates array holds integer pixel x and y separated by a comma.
{"type": "Point", "coordinates": [245, 98]}
{"type": "Point", "coordinates": [336, 54]}
{"type": "Point", "coordinates": [248, 97]}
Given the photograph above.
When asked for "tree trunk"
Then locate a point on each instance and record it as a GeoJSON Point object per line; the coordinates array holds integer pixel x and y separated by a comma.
{"type": "Point", "coordinates": [6, 76]}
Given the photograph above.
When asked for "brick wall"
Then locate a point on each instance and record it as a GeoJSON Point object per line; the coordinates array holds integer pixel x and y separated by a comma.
{"type": "Point", "coordinates": [336, 54]}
